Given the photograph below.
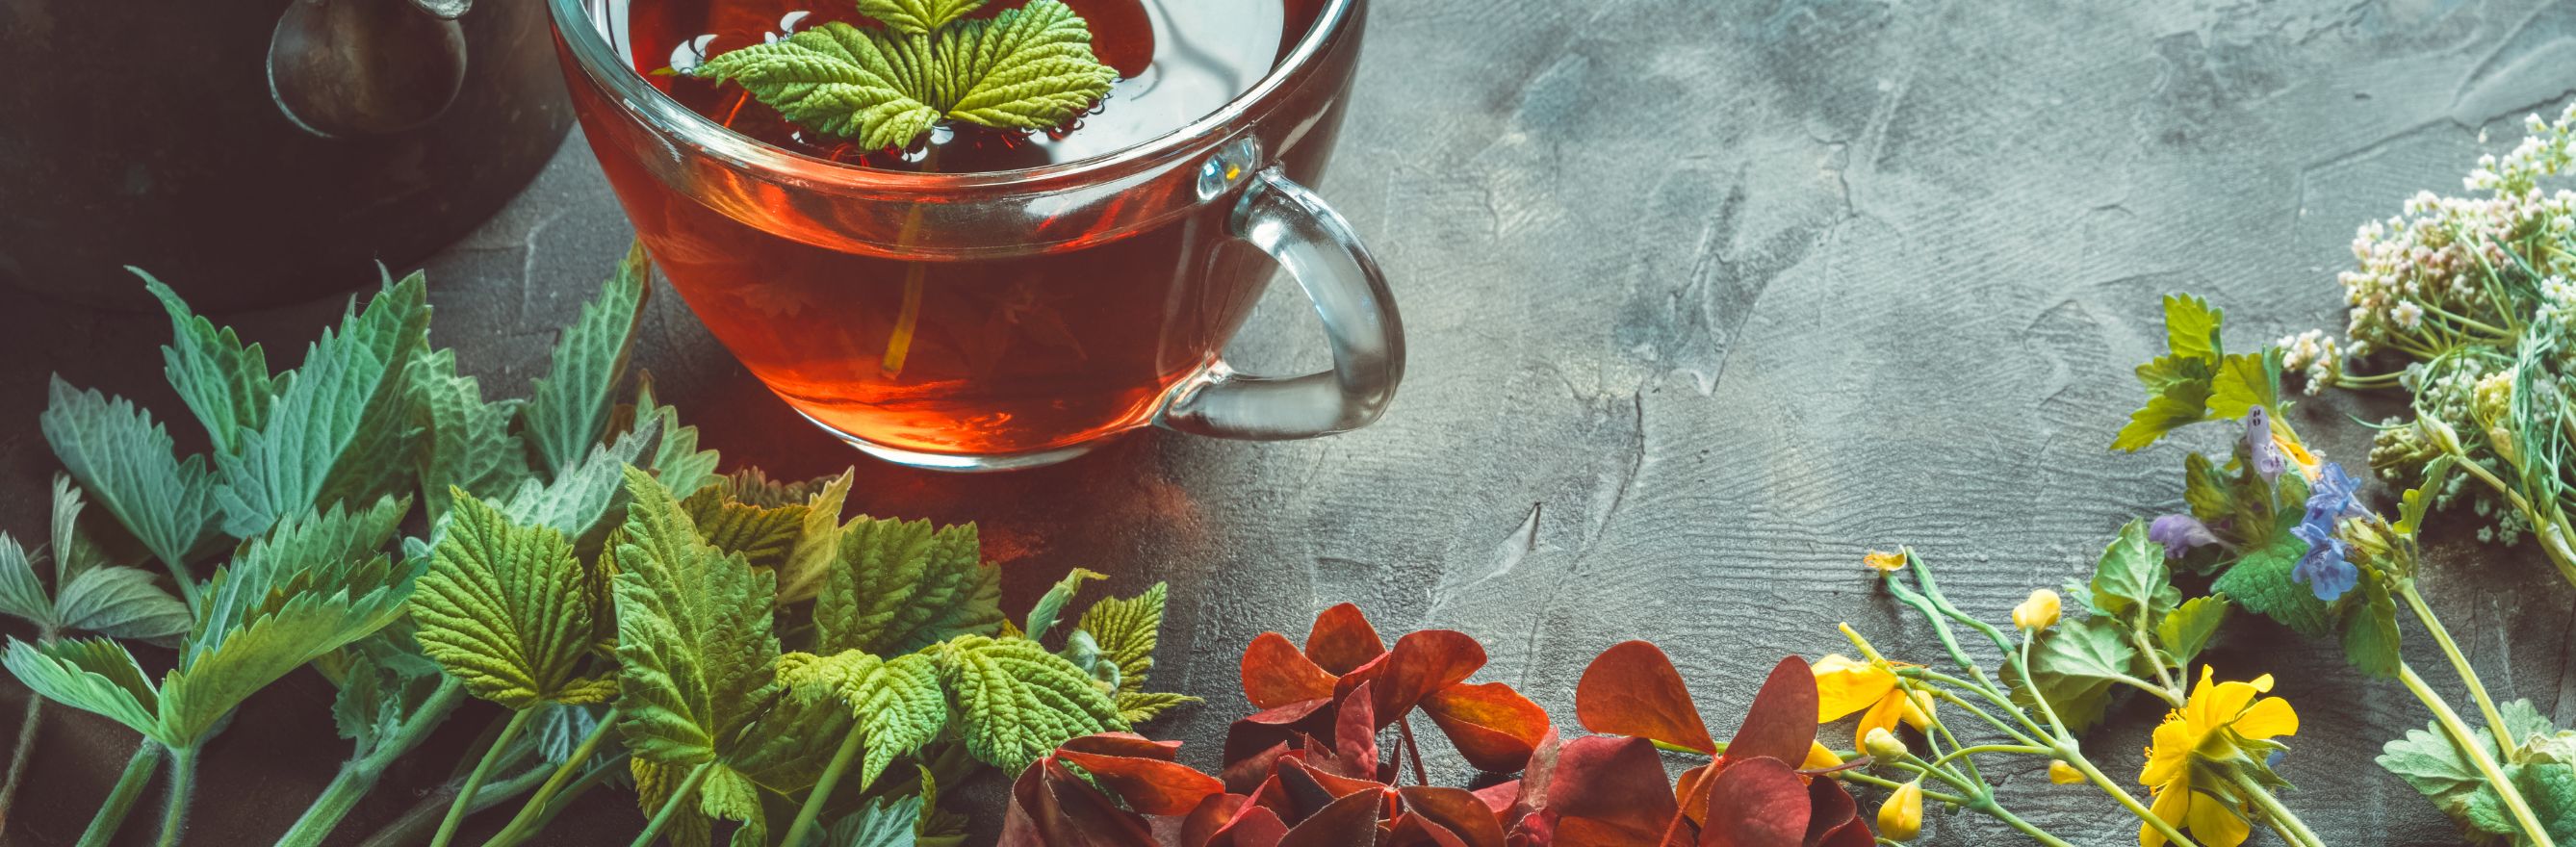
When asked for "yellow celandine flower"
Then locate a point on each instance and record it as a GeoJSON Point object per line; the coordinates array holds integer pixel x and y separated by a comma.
{"type": "Point", "coordinates": [1884, 562]}
{"type": "Point", "coordinates": [2212, 724]}
{"type": "Point", "coordinates": [1901, 817]}
{"type": "Point", "coordinates": [1844, 686]}
{"type": "Point", "coordinates": [2292, 450]}
{"type": "Point", "coordinates": [2039, 612]}
{"type": "Point", "coordinates": [2064, 774]}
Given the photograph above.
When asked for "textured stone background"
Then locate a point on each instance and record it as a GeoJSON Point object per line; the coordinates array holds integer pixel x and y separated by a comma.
{"type": "Point", "coordinates": [1704, 299]}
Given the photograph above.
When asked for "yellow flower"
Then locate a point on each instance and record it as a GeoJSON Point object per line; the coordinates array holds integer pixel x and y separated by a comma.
{"type": "Point", "coordinates": [2288, 440]}
{"type": "Point", "coordinates": [2064, 774]}
{"type": "Point", "coordinates": [2213, 725]}
{"type": "Point", "coordinates": [2039, 612]}
{"type": "Point", "coordinates": [1844, 686]}
{"type": "Point", "coordinates": [1820, 757]}
{"type": "Point", "coordinates": [1901, 818]}
{"type": "Point", "coordinates": [1882, 744]}
{"type": "Point", "coordinates": [1884, 562]}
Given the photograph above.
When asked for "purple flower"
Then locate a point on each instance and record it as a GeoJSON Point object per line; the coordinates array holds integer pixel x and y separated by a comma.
{"type": "Point", "coordinates": [2259, 449]}
{"type": "Point", "coordinates": [2334, 496]}
{"type": "Point", "coordinates": [2179, 533]}
{"type": "Point", "coordinates": [2324, 569]}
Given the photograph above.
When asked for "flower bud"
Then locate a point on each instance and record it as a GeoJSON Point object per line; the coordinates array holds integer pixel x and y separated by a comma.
{"type": "Point", "coordinates": [2440, 434]}
{"type": "Point", "coordinates": [1882, 744]}
{"type": "Point", "coordinates": [2064, 774]}
{"type": "Point", "coordinates": [1884, 562]}
{"type": "Point", "coordinates": [2039, 612]}
{"type": "Point", "coordinates": [1901, 819]}
{"type": "Point", "coordinates": [1918, 710]}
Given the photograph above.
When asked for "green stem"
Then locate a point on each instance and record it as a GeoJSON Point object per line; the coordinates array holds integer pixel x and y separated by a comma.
{"type": "Point", "coordinates": [491, 758]}
{"type": "Point", "coordinates": [120, 800]}
{"type": "Point", "coordinates": [563, 773]}
{"type": "Point", "coordinates": [181, 788]}
{"type": "Point", "coordinates": [186, 581]}
{"type": "Point", "coordinates": [2024, 749]}
{"type": "Point", "coordinates": [417, 821]}
{"type": "Point", "coordinates": [2552, 541]}
{"type": "Point", "coordinates": [25, 749]}
{"type": "Point", "coordinates": [2288, 825]}
{"type": "Point", "coordinates": [671, 807]}
{"type": "Point", "coordinates": [358, 775]}
{"type": "Point", "coordinates": [2075, 758]}
{"type": "Point", "coordinates": [813, 808]}
{"type": "Point", "coordinates": [1977, 797]}
{"type": "Point", "coordinates": [563, 800]}
{"type": "Point", "coordinates": [2468, 743]}
{"type": "Point", "coordinates": [2459, 662]}
{"type": "Point", "coordinates": [2170, 692]}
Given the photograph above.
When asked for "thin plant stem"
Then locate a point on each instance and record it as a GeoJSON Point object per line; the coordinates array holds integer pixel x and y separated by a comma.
{"type": "Point", "coordinates": [563, 799]}
{"type": "Point", "coordinates": [2071, 752]}
{"type": "Point", "coordinates": [2288, 825]}
{"type": "Point", "coordinates": [1963, 752]}
{"type": "Point", "coordinates": [417, 821]}
{"type": "Point", "coordinates": [2171, 693]}
{"type": "Point", "coordinates": [181, 788]}
{"type": "Point", "coordinates": [2468, 743]}
{"type": "Point", "coordinates": [186, 581]}
{"type": "Point", "coordinates": [1404, 729]}
{"type": "Point", "coordinates": [491, 758]}
{"type": "Point", "coordinates": [813, 808]}
{"type": "Point", "coordinates": [120, 800]}
{"type": "Point", "coordinates": [24, 750]}
{"type": "Point", "coordinates": [358, 775]}
{"type": "Point", "coordinates": [1980, 798]}
{"type": "Point", "coordinates": [1998, 724]}
{"type": "Point", "coordinates": [2459, 662]}
{"type": "Point", "coordinates": [671, 807]}
{"type": "Point", "coordinates": [563, 773]}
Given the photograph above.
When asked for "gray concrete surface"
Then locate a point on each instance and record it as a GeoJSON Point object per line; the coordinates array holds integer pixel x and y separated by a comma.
{"type": "Point", "coordinates": [1704, 299]}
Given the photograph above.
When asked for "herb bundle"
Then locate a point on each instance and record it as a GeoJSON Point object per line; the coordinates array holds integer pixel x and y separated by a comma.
{"type": "Point", "coordinates": [579, 562]}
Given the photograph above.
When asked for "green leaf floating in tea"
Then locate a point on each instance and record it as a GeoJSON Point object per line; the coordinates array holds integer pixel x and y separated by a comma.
{"type": "Point", "coordinates": [1027, 68]}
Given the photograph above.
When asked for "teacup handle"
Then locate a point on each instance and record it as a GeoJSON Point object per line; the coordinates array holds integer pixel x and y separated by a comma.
{"type": "Point", "coordinates": [1317, 247]}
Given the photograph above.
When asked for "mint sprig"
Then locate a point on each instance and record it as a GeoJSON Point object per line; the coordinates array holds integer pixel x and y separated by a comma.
{"type": "Point", "coordinates": [1027, 68]}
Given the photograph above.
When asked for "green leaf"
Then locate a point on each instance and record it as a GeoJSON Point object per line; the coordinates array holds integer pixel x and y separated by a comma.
{"type": "Point", "coordinates": [1127, 631]}
{"type": "Point", "coordinates": [469, 444]}
{"type": "Point", "coordinates": [752, 486]}
{"type": "Point", "coordinates": [568, 408]}
{"type": "Point", "coordinates": [76, 547]}
{"type": "Point", "coordinates": [1027, 68]}
{"type": "Point", "coordinates": [508, 610]}
{"type": "Point", "coordinates": [383, 685]}
{"type": "Point", "coordinates": [763, 536]}
{"type": "Point", "coordinates": [898, 702]}
{"type": "Point", "coordinates": [580, 502]}
{"type": "Point", "coordinates": [2130, 581]}
{"type": "Point", "coordinates": [227, 385]}
{"type": "Point", "coordinates": [917, 17]}
{"type": "Point", "coordinates": [2550, 788]}
{"type": "Point", "coordinates": [2186, 630]}
{"type": "Point", "coordinates": [2245, 381]}
{"type": "Point", "coordinates": [899, 587]}
{"type": "Point", "coordinates": [654, 783]}
{"type": "Point", "coordinates": [818, 545]}
{"type": "Point", "coordinates": [2165, 372]}
{"type": "Point", "coordinates": [677, 461]}
{"type": "Point", "coordinates": [2074, 666]}
{"type": "Point", "coordinates": [22, 593]}
{"type": "Point", "coordinates": [1050, 606]}
{"type": "Point", "coordinates": [693, 635]}
{"type": "Point", "coordinates": [120, 603]}
{"type": "Point", "coordinates": [126, 463]}
{"type": "Point", "coordinates": [2260, 582]}
{"type": "Point", "coordinates": [315, 583]}
{"type": "Point", "coordinates": [732, 796]}
{"type": "Point", "coordinates": [339, 427]}
{"type": "Point", "coordinates": [2370, 631]}
{"type": "Point", "coordinates": [91, 674]}
{"type": "Point", "coordinates": [883, 822]}
{"type": "Point", "coordinates": [2419, 499]}
{"type": "Point", "coordinates": [2428, 760]}
{"type": "Point", "coordinates": [2191, 326]}
{"type": "Point", "coordinates": [2177, 405]}
{"type": "Point", "coordinates": [1016, 702]}
{"type": "Point", "coordinates": [1136, 707]}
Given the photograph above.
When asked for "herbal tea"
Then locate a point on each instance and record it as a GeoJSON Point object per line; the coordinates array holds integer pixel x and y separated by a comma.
{"type": "Point", "coordinates": [1008, 354]}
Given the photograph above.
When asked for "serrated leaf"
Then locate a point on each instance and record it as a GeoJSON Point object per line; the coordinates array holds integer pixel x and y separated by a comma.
{"type": "Point", "coordinates": [467, 443]}
{"type": "Point", "coordinates": [2130, 581]}
{"type": "Point", "coordinates": [226, 384]}
{"type": "Point", "coordinates": [2177, 405]}
{"type": "Point", "coordinates": [91, 674]}
{"type": "Point", "coordinates": [1016, 702]}
{"type": "Point", "coordinates": [676, 460]}
{"type": "Point", "coordinates": [338, 428]}
{"type": "Point", "coordinates": [1128, 630]}
{"type": "Point", "coordinates": [2191, 326]}
{"type": "Point", "coordinates": [2437, 768]}
{"type": "Point", "coordinates": [764, 536]}
{"type": "Point", "coordinates": [2370, 630]}
{"type": "Point", "coordinates": [2206, 491]}
{"type": "Point", "coordinates": [509, 611]}
{"type": "Point", "coordinates": [917, 17]}
{"type": "Point", "coordinates": [120, 603]}
{"type": "Point", "coordinates": [381, 688]}
{"type": "Point", "coordinates": [125, 461]}
{"type": "Point", "coordinates": [693, 635]}
{"type": "Point", "coordinates": [2419, 499]}
{"type": "Point", "coordinates": [2173, 369]}
{"type": "Point", "coordinates": [883, 822]}
{"type": "Point", "coordinates": [654, 784]}
{"type": "Point", "coordinates": [2260, 582]}
{"type": "Point", "coordinates": [898, 702]}
{"type": "Point", "coordinates": [731, 796]}
{"type": "Point", "coordinates": [1136, 707]}
{"type": "Point", "coordinates": [2186, 630]}
{"type": "Point", "coordinates": [754, 487]}
{"type": "Point", "coordinates": [898, 587]}
{"type": "Point", "coordinates": [818, 544]}
{"type": "Point", "coordinates": [567, 410]}
{"type": "Point", "coordinates": [1050, 605]}
{"type": "Point", "coordinates": [579, 503]}
{"type": "Point", "coordinates": [22, 593]}
{"type": "Point", "coordinates": [1027, 68]}
{"type": "Point", "coordinates": [2245, 381]}
{"type": "Point", "coordinates": [2550, 788]}
{"type": "Point", "coordinates": [2074, 666]}
{"type": "Point", "coordinates": [76, 548]}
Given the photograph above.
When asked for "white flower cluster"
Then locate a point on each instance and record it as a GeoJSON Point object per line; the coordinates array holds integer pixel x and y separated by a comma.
{"type": "Point", "coordinates": [2313, 352]}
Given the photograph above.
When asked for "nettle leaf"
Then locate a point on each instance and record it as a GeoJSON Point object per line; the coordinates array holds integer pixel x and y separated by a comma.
{"type": "Point", "coordinates": [2246, 381]}
{"type": "Point", "coordinates": [899, 586]}
{"type": "Point", "coordinates": [794, 740]}
{"type": "Point", "coordinates": [227, 385]}
{"type": "Point", "coordinates": [818, 545]}
{"type": "Point", "coordinates": [898, 702]}
{"type": "Point", "coordinates": [917, 17]}
{"type": "Point", "coordinates": [1127, 631]}
{"type": "Point", "coordinates": [732, 796]}
{"type": "Point", "coordinates": [883, 822]}
{"type": "Point", "coordinates": [2186, 630]}
{"type": "Point", "coordinates": [1027, 68]}
{"type": "Point", "coordinates": [1050, 606]}
{"type": "Point", "coordinates": [568, 408]}
{"type": "Point", "coordinates": [1015, 701]}
{"type": "Point", "coordinates": [509, 610]}
{"type": "Point", "coordinates": [580, 501]}
{"type": "Point", "coordinates": [693, 635]}
{"type": "Point", "coordinates": [120, 603]}
{"type": "Point", "coordinates": [2178, 405]}
{"type": "Point", "coordinates": [127, 463]}
{"type": "Point", "coordinates": [2130, 581]}
{"type": "Point", "coordinates": [2260, 582]}
{"type": "Point", "coordinates": [763, 536]}
{"type": "Point", "coordinates": [676, 459]}
{"type": "Point", "coordinates": [2074, 666]}
{"type": "Point", "coordinates": [339, 426]}
{"type": "Point", "coordinates": [469, 444]}
{"type": "Point", "coordinates": [654, 784]}
{"type": "Point", "coordinates": [91, 674]}
{"type": "Point", "coordinates": [2181, 383]}
{"type": "Point", "coordinates": [2191, 326]}
{"type": "Point", "coordinates": [383, 684]}
{"type": "Point", "coordinates": [2370, 631]}
{"type": "Point", "coordinates": [22, 593]}
{"type": "Point", "coordinates": [2428, 760]}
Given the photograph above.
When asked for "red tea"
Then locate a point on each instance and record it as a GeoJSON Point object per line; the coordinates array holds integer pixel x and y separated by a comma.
{"type": "Point", "coordinates": [996, 355]}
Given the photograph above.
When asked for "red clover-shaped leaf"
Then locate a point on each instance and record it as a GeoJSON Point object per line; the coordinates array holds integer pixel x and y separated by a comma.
{"type": "Point", "coordinates": [1632, 689]}
{"type": "Point", "coordinates": [1493, 726]}
{"type": "Point", "coordinates": [1782, 722]}
{"type": "Point", "coordinates": [1342, 640]}
{"type": "Point", "coordinates": [1276, 674]}
{"type": "Point", "coordinates": [1758, 802]}
{"type": "Point", "coordinates": [1452, 810]}
{"type": "Point", "coordinates": [1141, 772]}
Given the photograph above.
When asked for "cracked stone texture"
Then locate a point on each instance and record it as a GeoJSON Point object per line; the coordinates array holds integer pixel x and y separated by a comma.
{"type": "Point", "coordinates": [1704, 299]}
